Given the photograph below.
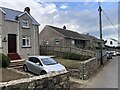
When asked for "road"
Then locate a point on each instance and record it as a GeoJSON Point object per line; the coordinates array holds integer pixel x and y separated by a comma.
{"type": "Point", "coordinates": [107, 77]}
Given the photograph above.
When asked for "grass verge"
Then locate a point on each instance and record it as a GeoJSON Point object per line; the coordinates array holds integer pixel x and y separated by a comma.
{"type": "Point", "coordinates": [8, 75]}
{"type": "Point", "coordinates": [71, 64]}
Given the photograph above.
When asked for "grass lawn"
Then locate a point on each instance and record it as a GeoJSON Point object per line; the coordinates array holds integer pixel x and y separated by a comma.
{"type": "Point", "coordinates": [71, 64]}
{"type": "Point", "coordinates": [8, 75]}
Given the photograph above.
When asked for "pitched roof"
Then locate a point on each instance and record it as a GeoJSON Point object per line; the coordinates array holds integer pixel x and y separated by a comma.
{"type": "Point", "coordinates": [12, 14]}
{"type": "Point", "coordinates": [92, 38]}
{"type": "Point", "coordinates": [68, 33]}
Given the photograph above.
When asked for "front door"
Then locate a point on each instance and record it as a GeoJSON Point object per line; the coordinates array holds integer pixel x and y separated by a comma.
{"type": "Point", "coordinates": [12, 43]}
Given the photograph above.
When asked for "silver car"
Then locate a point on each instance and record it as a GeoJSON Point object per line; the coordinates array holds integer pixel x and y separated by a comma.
{"type": "Point", "coordinates": [42, 65]}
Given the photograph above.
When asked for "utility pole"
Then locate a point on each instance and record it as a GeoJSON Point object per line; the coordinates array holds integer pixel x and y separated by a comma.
{"type": "Point", "coordinates": [100, 25]}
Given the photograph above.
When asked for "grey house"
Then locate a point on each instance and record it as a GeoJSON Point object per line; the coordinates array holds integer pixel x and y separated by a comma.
{"type": "Point", "coordinates": [19, 33]}
{"type": "Point", "coordinates": [54, 36]}
{"type": "Point", "coordinates": [94, 42]}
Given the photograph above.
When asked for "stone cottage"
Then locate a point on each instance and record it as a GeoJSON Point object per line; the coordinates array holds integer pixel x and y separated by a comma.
{"type": "Point", "coordinates": [19, 33]}
{"type": "Point", "coordinates": [54, 36]}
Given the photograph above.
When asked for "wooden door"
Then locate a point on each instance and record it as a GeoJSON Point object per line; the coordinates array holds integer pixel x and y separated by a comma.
{"type": "Point", "coordinates": [12, 45]}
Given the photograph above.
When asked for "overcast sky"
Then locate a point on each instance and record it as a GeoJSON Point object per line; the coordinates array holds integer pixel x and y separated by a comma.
{"type": "Point", "coordinates": [77, 16]}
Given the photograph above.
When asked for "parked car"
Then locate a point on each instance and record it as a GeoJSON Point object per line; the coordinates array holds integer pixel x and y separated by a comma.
{"type": "Point", "coordinates": [109, 55]}
{"type": "Point", "coordinates": [42, 65]}
{"type": "Point", "coordinates": [113, 53]}
{"type": "Point", "coordinates": [118, 53]}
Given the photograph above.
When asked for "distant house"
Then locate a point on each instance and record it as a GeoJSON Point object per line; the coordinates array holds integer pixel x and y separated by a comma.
{"type": "Point", "coordinates": [54, 36]}
{"type": "Point", "coordinates": [94, 42]}
{"type": "Point", "coordinates": [19, 33]}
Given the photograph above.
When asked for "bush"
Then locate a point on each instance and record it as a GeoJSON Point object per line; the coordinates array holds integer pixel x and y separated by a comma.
{"type": "Point", "coordinates": [4, 60]}
{"type": "Point", "coordinates": [73, 56]}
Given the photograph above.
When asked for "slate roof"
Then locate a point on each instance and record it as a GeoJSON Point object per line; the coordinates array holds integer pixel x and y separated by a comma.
{"type": "Point", "coordinates": [68, 33]}
{"type": "Point", "coordinates": [12, 14]}
{"type": "Point", "coordinates": [92, 38]}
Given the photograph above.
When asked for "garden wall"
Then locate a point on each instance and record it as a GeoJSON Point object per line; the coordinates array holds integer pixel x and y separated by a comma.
{"type": "Point", "coordinates": [86, 70]}
{"type": "Point", "coordinates": [45, 82]}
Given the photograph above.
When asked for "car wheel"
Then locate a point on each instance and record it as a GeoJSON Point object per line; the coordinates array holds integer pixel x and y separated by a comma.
{"type": "Point", "coordinates": [25, 68]}
{"type": "Point", "coordinates": [43, 72]}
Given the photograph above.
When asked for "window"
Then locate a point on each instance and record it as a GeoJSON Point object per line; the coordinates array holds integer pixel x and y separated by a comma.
{"type": "Point", "coordinates": [47, 42]}
{"type": "Point", "coordinates": [73, 42]}
{"type": "Point", "coordinates": [56, 41]}
{"type": "Point", "coordinates": [25, 24]}
{"type": "Point", "coordinates": [26, 41]}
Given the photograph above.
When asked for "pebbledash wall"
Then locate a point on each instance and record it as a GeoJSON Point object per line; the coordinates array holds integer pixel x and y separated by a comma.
{"type": "Point", "coordinates": [44, 82]}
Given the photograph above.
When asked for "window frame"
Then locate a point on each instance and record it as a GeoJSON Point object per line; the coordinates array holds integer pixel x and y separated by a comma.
{"type": "Point", "coordinates": [27, 41]}
{"type": "Point", "coordinates": [57, 42]}
{"type": "Point", "coordinates": [25, 22]}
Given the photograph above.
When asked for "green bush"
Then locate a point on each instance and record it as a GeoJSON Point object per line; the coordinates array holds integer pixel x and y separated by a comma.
{"type": "Point", "coordinates": [4, 60]}
{"type": "Point", "coordinates": [73, 56]}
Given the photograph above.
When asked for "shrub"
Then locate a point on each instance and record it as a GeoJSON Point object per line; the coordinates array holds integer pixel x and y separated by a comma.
{"type": "Point", "coordinates": [73, 56]}
{"type": "Point", "coordinates": [4, 60]}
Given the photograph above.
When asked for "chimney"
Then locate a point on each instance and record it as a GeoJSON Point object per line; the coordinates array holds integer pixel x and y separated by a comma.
{"type": "Point", "coordinates": [87, 33]}
{"type": "Point", "coordinates": [64, 27]}
{"type": "Point", "coordinates": [27, 9]}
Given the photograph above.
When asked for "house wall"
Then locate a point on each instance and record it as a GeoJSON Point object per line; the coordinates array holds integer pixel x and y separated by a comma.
{"type": "Point", "coordinates": [9, 28]}
{"type": "Point", "coordinates": [47, 34]}
{"type": "Point", "coordinates": [14, 27]}
{"type": "Point", "coordinates": [32, 31]}
{"type": "Point", "coordinates": [68, 42]}
{"type": "Point", "coordinates": [1, 26]}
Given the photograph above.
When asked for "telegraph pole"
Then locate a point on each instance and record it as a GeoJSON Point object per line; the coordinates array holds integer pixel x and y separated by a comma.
{"type": "Point", "coordinates": [100, 26]}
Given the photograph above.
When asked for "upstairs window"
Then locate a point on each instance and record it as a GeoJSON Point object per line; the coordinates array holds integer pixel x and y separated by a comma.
{"type": "Point", "coordinates": [25, 24]}
{"type": "Point", "coordinates": [26, 41]}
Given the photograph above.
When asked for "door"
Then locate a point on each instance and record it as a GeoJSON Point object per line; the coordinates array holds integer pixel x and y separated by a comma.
{"type": "Point", "coordinates": [12, 45]}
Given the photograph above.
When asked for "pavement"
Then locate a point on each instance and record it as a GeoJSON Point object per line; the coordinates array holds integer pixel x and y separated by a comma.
{"type": "Point", "coordinates": [107, 77]}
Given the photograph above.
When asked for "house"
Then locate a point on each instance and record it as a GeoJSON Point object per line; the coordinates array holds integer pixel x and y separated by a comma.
{"type": "Point", "coordinates": [94, 42]}
{"type": "Point", "coordinates": [54, 36]}
{"type": "Point", "coordinates": [19, 33]}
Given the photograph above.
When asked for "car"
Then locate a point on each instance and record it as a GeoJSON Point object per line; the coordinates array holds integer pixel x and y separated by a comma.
{"type": "Point", "coordinates": [42, 65]}
{"type": "Point", "coordinates": [118, 53]}
{"type": "Point", "coordinates": [109, 55]}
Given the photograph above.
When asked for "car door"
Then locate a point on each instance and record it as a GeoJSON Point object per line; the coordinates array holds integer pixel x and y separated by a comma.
{"type": "Point", "coordinates": [38, 66]}
{"type": "Point", "coordinates": [32, 65]}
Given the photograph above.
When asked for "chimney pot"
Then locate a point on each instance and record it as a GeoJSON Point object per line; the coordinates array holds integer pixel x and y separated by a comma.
{"type": "Point", "coordinates": [64, 27]}
{"type": "Point", "coordinates": [27, 9]}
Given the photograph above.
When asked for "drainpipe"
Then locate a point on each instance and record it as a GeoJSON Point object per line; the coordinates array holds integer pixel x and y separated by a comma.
{"type": "Point", "coordinates": [18, 40]}
{"type": "Point", "coordinates": [34, 39]}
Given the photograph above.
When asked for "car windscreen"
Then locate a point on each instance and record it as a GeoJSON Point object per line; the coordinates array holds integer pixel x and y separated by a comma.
{"type": "Point", "coordinates": [48, 61]}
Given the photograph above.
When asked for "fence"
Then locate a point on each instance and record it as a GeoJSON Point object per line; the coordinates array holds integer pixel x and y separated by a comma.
{"type": "Point", "coordinates": [61, 50]}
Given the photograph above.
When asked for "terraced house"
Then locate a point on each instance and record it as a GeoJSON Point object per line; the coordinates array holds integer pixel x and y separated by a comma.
{"type": "Point", "coordinates": [19, 33]}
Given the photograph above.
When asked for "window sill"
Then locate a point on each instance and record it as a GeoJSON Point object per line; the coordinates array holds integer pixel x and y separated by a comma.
{"type": "Point", "coordinates": [26, 27]}
{"type": "Point", "coordinates": [26, 47]}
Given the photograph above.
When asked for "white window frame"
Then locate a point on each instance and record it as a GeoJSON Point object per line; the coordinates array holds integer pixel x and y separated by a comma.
{"type": "Point", "coordinates": [27, 41]}
{"type": "Point", "coordinates": [73, 42]}
{"type": "Point", "coordinates": [25, 24]}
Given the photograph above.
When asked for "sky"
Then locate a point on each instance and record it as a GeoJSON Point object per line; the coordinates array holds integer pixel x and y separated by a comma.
{"type": "Point", "coordinates": [81, 16]}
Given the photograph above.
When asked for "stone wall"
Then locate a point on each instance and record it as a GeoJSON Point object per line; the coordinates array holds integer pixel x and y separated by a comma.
{"type": "Point", "coordinates": [44, 82]}
{"type": "Point", "coordinates": [86, 70]}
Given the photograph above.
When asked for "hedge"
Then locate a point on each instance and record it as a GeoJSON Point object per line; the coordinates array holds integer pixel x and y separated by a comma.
{"type": "Point", "coordinates": [4, 60]}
